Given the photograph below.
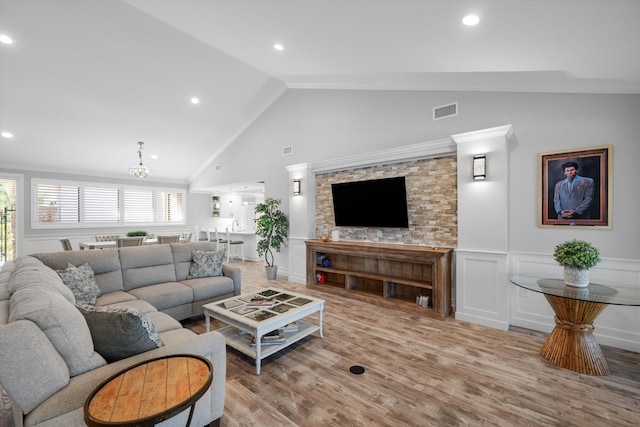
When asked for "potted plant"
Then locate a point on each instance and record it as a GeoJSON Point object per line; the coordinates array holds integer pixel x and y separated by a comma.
{"type": "Point", "coordinates": [272, 227]}
{"type": "Point", "coordinates": [577, 257]}
{"type": "Point", "coordinates": [136, 233]}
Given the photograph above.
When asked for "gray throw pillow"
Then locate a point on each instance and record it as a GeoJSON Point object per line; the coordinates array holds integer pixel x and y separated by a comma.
{"type": "Point", "coordinates": [206, 263]}
{"type": "Point", "coordinates": [120, 332]}
{"type": "Point", "coordinates": [82, 283]}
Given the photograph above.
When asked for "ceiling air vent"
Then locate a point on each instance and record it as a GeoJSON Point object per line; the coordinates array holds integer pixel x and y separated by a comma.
{"type": "Point", "coordinates": [445, 111]}
{"type": "Point", "coordinates": [287, 150]}
{"type": "Point", "coordinates": [218, 168]}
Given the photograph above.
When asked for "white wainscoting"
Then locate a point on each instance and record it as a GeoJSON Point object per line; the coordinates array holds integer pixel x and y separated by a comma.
{"type": "Point", "coordinates": [481, 287]}
{"type": "Point", "coordinates": [617, 326]}
{"type": "Point", "coordinates": [297, 260]}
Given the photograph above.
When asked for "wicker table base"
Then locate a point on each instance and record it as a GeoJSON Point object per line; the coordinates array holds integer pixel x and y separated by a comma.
{"type": "Point", "coordinates": [571, 344]}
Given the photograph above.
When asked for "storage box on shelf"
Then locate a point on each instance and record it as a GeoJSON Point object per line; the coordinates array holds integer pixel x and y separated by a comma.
{"type": "Point", "coordinates": [384, 274]}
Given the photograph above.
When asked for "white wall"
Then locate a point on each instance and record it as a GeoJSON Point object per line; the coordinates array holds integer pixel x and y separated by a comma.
{"type": "Point", "coordinates": [325, 125]}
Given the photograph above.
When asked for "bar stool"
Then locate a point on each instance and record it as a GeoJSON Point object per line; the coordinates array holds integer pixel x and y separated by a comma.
{"type": "Point", "coordinates": [203, 234]}
{"type": "Point", "coordinates": [235, 246]}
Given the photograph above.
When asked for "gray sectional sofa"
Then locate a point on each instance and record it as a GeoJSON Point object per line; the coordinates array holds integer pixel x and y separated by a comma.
{"type": "Point", "coordinates": [48, 361]}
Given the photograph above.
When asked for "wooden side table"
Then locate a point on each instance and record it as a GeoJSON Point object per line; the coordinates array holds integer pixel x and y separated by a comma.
{"type": "Point", "coordinates": [149, 392]}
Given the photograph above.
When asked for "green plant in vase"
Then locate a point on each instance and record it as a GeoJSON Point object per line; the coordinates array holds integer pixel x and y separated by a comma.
{"type": "Point", "coordinates": [272, 227]}
{"type": "Point", "coordinates": [577, 257]}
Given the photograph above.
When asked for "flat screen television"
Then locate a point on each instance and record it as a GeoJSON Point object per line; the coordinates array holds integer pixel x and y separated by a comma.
{"type": "Point", "coordinates": [372, 203]}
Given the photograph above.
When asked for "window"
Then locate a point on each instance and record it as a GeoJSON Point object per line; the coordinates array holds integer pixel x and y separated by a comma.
{"type": "Point", "coordinates": [138, 205]}
{"type": "Point", "coordinates": [169, 206]}
{"type": "Point", "coordinates": [58, 204]}
{"type": "Point", "coordinates": [102, 205]}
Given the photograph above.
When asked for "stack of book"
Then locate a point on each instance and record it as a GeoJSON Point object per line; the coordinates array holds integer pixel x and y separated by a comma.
{"type": "Point", "coordinates": [271, 338]}
{"type": "Point", "coordinates": [261, 303]}
{"type": "Point", "coordinates": [276, 337]}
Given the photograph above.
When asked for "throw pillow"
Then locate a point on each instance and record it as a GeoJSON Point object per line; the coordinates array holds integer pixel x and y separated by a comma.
{"type": "Point", "coordinates": [120, 332]}
{"type": "Point", "coordinates": [82, 283]}
{"type": "Point", "coordinates": [206, 263]}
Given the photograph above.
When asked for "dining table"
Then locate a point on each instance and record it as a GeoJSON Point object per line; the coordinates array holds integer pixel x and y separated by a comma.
{"type": "Point", "coordinates": [110, 244]}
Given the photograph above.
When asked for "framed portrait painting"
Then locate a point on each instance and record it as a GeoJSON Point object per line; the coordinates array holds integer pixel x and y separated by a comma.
{"type": "Point", "coordinates": [574, 188]}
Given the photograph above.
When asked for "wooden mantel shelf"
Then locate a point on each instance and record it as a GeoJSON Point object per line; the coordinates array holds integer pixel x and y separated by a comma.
{"type": "Point", "coordinates": [382, 273]}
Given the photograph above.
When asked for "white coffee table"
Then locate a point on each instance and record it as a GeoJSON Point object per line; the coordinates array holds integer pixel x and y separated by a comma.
{"type": "Point", "coordinates": [243, 323]}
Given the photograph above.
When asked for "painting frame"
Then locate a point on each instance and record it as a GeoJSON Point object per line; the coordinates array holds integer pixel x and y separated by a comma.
{"type": "Point", "coordinates": [594, 166]}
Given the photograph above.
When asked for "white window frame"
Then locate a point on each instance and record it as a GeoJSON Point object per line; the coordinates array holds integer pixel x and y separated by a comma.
{"type": "Point", "coordinates": [157, 218]}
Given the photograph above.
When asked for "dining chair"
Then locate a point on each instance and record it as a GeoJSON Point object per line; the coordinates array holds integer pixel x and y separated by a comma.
{"type": "Point", "coordinates": [169, 239]}
{"type": "Point", "coordinates": [66, 244]}
{"type": "Point", "coordinates": [185, 237]}
{"type": "Point", "coordinates": [106, 238]}
{"type": "Point", "coordinates": [129, 241]}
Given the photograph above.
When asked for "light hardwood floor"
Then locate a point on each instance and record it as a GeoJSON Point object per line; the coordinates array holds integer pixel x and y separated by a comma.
{"type": "Point", "coordinates": [419, 372]}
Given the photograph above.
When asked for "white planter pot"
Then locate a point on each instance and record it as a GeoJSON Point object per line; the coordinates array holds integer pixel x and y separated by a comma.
{"type": "Point", "coordinates": [575, 277]}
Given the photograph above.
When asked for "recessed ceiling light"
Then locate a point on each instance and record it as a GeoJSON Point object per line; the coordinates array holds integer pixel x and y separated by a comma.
{"type": "Point", "coordinates": [278, 46]}
{"type": "Point", "coordinates": [470, 20]}
{"type": "Point", "coordinates": [154, 156]}
{"type": "Point", "coordinates": [5, 39]}
{"type": "Point", "coordinates": [7, 135]}
{"type": "Point", "coordinates": [195, 100]}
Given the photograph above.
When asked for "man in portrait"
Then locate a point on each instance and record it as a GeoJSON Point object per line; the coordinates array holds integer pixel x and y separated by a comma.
{"type": "Point", "coordinates": [572, 197]}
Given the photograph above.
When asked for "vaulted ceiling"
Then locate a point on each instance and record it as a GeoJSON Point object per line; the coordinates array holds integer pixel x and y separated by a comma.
{"type": "Point", "coordinates": [84, 81]}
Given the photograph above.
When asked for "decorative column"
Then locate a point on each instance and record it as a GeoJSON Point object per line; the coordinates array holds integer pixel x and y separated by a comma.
{"type": "Point", "coordinates": [301, 218]}
{"type": "Point", "coordinates": [481, 257]}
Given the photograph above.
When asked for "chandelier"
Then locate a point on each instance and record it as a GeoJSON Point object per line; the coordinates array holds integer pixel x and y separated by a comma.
{"type": "Point", "coordinates": [140, 171]}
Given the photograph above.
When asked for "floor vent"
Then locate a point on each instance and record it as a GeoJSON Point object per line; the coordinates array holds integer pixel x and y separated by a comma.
{"type": "Point", "coordinates": [445, 111]}
{"type": "Point", "coordinates": [287, 150]}
{"type": "Point", "coordinates": [218, 168]}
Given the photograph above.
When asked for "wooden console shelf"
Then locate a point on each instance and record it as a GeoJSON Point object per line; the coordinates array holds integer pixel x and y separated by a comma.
{"type": "Point", "coordinates": [384, 274]}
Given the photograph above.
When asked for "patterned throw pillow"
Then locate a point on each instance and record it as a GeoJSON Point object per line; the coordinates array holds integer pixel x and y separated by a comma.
{"type": "Point", "coordinates": [206, 263]}
{"type": "Point", "coordinates": [82, 283]}
{"type": "Point", "coordinates": [120, 332]}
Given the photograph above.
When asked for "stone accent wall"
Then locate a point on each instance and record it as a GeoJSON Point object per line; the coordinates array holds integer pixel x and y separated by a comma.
{"type": "Point", "coordinates": [432, 202]}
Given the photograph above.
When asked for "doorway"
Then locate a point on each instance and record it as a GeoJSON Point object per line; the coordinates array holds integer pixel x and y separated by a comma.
{"type": "Point", "coordinates": [8, 219]}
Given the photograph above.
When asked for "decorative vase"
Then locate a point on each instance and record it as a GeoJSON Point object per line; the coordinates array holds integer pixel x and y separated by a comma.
{"type": "Point", "coordinates": [272, 272]}
{"type": "Point", "coordinates": [575, 277]}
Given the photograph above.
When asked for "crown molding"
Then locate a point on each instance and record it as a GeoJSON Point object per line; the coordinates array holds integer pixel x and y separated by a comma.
{"type": "Point", "coordinates": [422, 150]}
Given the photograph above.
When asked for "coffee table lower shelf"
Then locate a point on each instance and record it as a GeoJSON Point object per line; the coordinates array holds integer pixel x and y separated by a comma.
{"type": "Point", "coordinates": [235, 339]}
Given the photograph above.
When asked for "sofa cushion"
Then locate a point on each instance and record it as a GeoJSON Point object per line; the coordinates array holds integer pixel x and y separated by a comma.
{"type": "Point", "coordinates": [38, 372]}
{"type": "Point", "coordinates": [82, 283]}
{"type": "Point", "coordinates": [104, 262]}
{"type": "Point", "coordinates": [182, 256]}
{"type": "Point", "coordinates": [209, 287]}
{"type": "Point", "coordinates": [30, 271]}
{"type": "Point", "coordinates": [164, 295]}
{"type": "Point", "coordinates": [206, 263]}
{"type": "Point", "coordinates": [61, 322]}
{"type": "Point", "coordinates": [135, 303]}
{"type": "Point", "coordinates": [163, 322]}
{"type": "Point", "coordinates": [120, 332]}
{"type": "Point", "coordinates": [114, 298]}
{"type": "Point", "coordinates": [146, 265]}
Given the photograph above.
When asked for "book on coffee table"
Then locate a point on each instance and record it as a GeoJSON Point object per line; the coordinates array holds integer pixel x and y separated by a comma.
{"type": "Point", "coordinates": [271, 338]}
{"type": "Point", "coordinates": [261, 303]}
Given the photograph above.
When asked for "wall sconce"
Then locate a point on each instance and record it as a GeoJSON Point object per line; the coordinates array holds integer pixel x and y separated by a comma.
{"type": "Point", "coordinates": [296, 187]}
{"type": "Point", "coordinates": [479, 167]}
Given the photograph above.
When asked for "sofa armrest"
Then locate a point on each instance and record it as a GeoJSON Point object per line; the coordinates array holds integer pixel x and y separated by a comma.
{"type": "Point", "coordinates": [210, 345]}
{"type": "Point", "coordinates": [234, 274]}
